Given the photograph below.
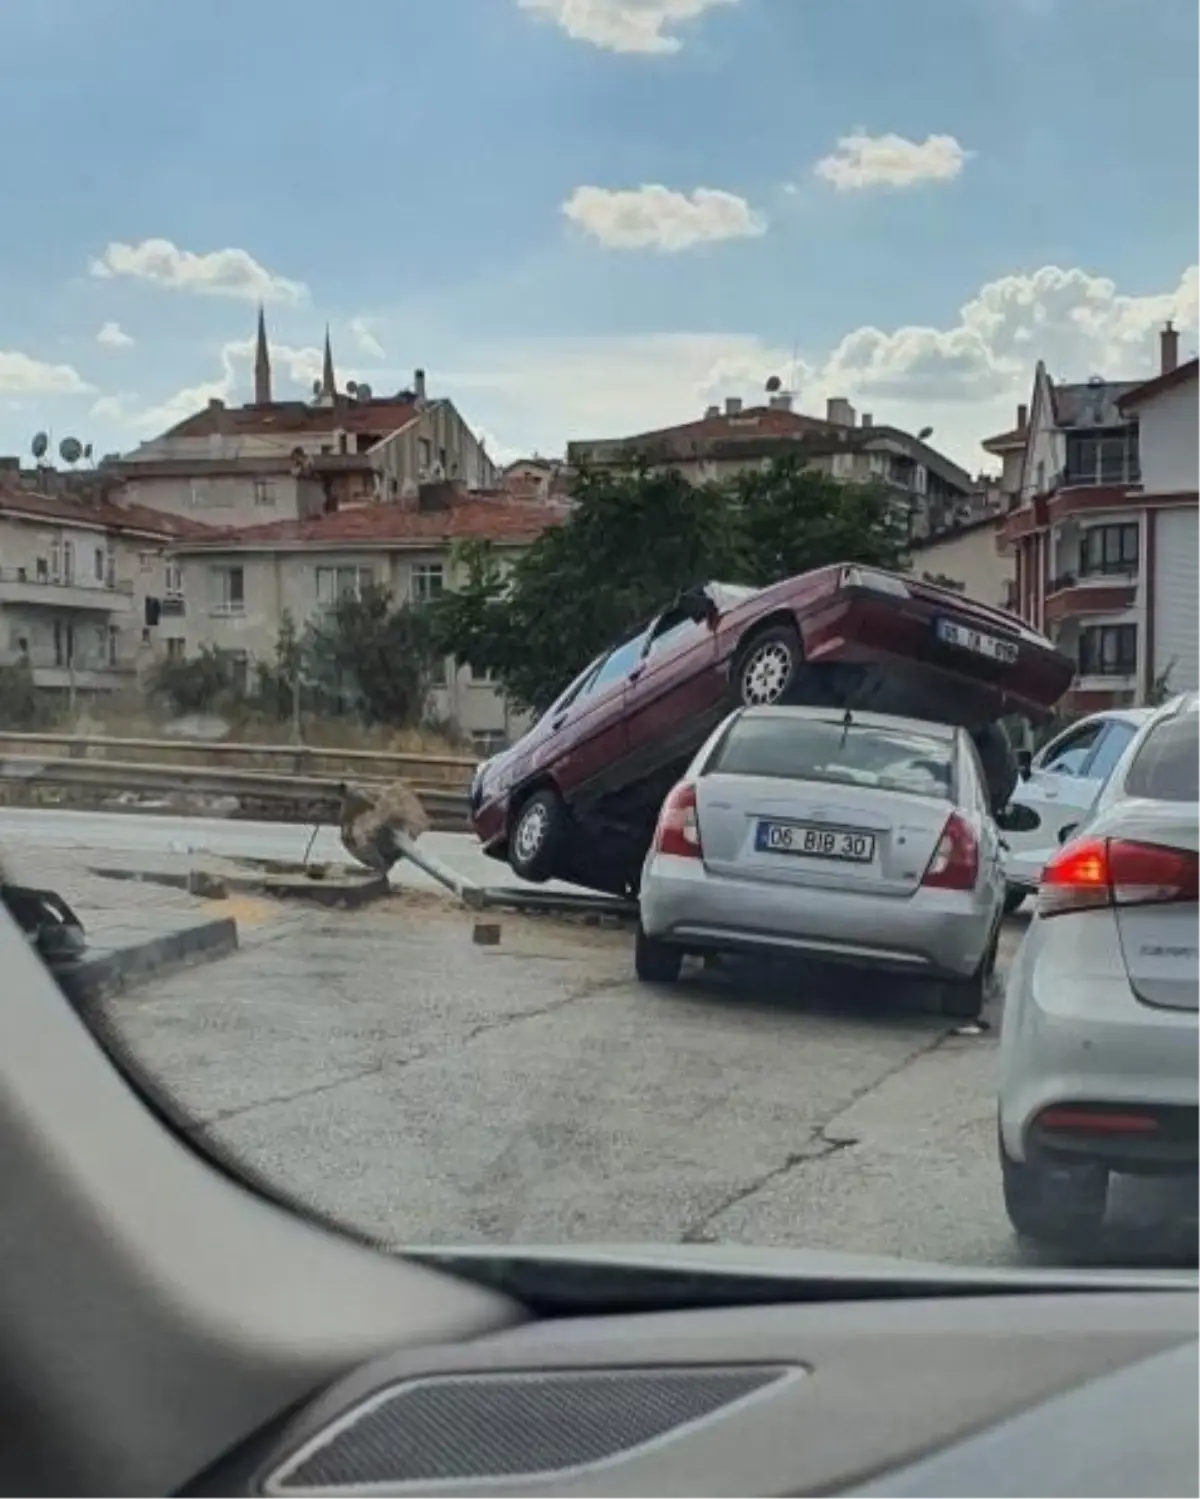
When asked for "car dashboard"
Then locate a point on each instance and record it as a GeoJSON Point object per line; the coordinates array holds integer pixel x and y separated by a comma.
{"type": "Point", "coordinates": [1050, 1393]}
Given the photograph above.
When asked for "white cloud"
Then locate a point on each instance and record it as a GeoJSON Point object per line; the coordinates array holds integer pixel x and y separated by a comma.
{"type": "Point", "coordinates": [22, 372]}
{"type": "Point", "coordinates": [360, 327]}
{"type": "Point", "coordinates": [865, 161]}
{"type": "Point", "coordinates": [297, 365]}
{"type": "Point", "coordinates": [964, 378]}
{"type": "Point", "coordinates": [214, 273]}
{"type": "Point", "coordinates": [113, 336]}
{"type": "Point", "coordinates": [110, 408]}
{"type": "Point", "coordinates": [656, 217]}
{"type": "Point", "coordinates": [645, 26]}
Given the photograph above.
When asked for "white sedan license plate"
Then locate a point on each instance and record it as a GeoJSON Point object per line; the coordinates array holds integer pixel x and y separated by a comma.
{"type": "Point", "coordinates": [982, 644]}
{"type": "Point", "coordinates": [815, 843]}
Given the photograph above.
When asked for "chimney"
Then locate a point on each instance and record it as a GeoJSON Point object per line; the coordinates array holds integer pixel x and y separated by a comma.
{"type": "Point", "coordinates": [1022, 417]}
{"type": "Point", "coordinates": [839, 412]}
{"type": "Point", "coordinates": [1168, 343]}
{"type": "Point", "coordinates": [733, 405]}
{"type": "Point", "coordinates": [710, 411]}
{"type": "Point", "coordinates": [867, 419]}
{"type": "Point", "coordinates": [419, 384]}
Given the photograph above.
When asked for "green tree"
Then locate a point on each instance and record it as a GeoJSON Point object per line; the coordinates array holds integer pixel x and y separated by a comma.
{"type": "Point", "coordinates": [280, 679]}
{"type": "Point", "coordinates": [635, 539]}
{"type": "Point", "coordinates": [368, 656]}
{"type": "Point", "coordinates": [22, 706]}
{"type": "Point", "coordinates": [194, 684]}
{"type": "Point", "coordinates": [787, 519]}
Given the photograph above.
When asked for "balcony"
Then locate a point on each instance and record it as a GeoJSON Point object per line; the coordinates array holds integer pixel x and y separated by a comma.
{"type": "Point", "coordinates": [1074, 596]}
{"type": "Point", "coordinates": [17, 586]}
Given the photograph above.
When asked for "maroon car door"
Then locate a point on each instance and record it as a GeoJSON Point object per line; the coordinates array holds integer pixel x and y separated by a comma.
{"type": "Point", "coordinates": [589, 746]}
{"type": "Point", "coordinates": [675, 693]}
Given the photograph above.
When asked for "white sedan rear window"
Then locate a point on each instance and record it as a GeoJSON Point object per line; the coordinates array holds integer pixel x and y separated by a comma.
{"type": "Point", "coordinates": [801, 749]}
{"type": "Point", "coordinates": [1165, 767]}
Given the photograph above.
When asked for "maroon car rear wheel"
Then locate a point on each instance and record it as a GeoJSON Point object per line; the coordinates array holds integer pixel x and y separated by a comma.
{"type": "Point", "coordinates": [767, 666]}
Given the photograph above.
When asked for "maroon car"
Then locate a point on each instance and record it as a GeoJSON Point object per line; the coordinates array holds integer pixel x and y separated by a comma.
{"type": "Point", "coordinates": [577, 797]}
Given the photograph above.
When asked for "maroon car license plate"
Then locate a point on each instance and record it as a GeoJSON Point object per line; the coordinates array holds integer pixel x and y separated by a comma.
{"type": "Point", "coordinates": [978, 641]}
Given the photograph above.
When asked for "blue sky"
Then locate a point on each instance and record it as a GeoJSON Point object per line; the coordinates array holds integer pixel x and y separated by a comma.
{"type": "Point", "coordinates": [590, 217]}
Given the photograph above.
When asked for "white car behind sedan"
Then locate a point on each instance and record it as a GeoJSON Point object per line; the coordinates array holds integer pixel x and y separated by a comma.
{"type": "Point", "coordinates": [1098, 1050]}
{"type": "Point", "coordinates": [860, 838]}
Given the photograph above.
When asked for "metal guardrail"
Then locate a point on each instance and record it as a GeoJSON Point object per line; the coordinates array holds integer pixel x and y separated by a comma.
{"type": "Point", "coordinates": [318, 796]}
{"type": "Point", "coordinates": [450, 771]}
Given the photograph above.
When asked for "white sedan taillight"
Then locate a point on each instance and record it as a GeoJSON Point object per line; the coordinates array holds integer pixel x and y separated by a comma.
{"type": "Point", "coordinates": [1098, 872]}
{"type": "Point", "coordinates": [678, 829]}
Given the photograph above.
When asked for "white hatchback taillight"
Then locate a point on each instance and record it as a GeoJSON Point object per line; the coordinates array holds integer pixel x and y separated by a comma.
{"type": "Point", "coordinates": [1097, 872]}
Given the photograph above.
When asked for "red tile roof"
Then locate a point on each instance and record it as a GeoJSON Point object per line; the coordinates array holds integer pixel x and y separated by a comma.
{"type": "Point", "coordinates": [1006, 441]}
{"type": "Point", "coordinates": [379, 525]}
{"type": "Point", "coordinates": [383, 416]}
{"type": "Point", "coordinates": [1180, 375]}
{"type": "Point", "coordinates": [98, 512]}
{"type": "Point", "coordinates": [750, 422]}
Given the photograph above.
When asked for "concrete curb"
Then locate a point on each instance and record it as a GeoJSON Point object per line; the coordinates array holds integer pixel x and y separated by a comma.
{"type": "Point", "coordinates": [107, 970]}
{"type": "Point", "coordinates": [344, 891]}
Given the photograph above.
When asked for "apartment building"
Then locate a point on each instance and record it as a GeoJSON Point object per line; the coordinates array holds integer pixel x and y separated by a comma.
{"type": "Point", "coordinates": [239, 584]}
{"type": "Point", "coordinates": [970, 557]}
{"type": "Point", "coordinates": [1104, 526]}
{"type": "Point", "coordinates": [88, 594]}
{"type": "Point", "coordinates": [295, 460]}
{"type": "Point", "coordinates": [934, 491]}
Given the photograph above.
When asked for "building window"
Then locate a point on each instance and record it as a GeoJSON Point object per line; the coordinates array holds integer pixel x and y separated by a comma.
{"type": "Point", "coordinates": [98, 563]}
{"type": "Point", "coordinates": [428, 581]}
{"type": "Point", "coordinates": [1108, 457]}
{"type": "Point", "coordinates": [227, 590]}
{"type": "Point", "coordinates": [1110, 549]}
{"type": "Point", "coordinates": [114, 637]}
{"type": "Point", "coordinates": [438, 675]}
{"type": "Point", "coordinates": [481, 677]}
{"type": "Point", "coordinates": [337, 583]}
{"type": "Point", "coordinates": [174, 579]}
{"type": "Point", "coordinates": [1108, 651]}
{"type": "Point", "coordinates": [264, 492]}
{"type": "Point", "coordinates": [175, 648]}
{"type": "Point", "coordinates": [425, 448]}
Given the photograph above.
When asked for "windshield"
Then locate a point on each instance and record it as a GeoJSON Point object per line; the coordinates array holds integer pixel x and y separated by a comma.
{"type": "Point", "coordinates": [374, 375]}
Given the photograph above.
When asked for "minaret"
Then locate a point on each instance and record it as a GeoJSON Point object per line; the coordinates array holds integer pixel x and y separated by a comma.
{"type": "Point", "coordinates": [328, 384]}
{"type": "Point", "coordinates": [262, 364]}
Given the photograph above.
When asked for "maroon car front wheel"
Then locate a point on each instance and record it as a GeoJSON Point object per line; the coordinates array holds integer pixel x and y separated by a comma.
{"type": "Point", "coordinates": [536, 835]}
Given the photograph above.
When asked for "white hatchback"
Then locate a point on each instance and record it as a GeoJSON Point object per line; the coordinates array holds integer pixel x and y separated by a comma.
{"type": "Point", "coordinates": [1098, 1053]}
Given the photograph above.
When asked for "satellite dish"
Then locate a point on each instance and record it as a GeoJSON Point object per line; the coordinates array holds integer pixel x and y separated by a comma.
{"type": "Point", "coordinates": [70, 450]}
{"type": "Point", "coordinates": [39, 445]}
{"type": "Point", "coordinates": [924, 434]}
{"type": "Point", "coordinates": [351, 387]}
{"type": "Point", "coordinates": [364, 391]}
{"type": "Point", "coordinates": [774, 384]}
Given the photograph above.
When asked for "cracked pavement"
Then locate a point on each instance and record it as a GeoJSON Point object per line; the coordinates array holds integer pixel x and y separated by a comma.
{"type": "Point", "coordinates": [383, 1067]}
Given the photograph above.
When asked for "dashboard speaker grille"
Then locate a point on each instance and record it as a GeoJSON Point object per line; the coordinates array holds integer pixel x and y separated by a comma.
{"type": "Point", "coordinates": [460, 1428]}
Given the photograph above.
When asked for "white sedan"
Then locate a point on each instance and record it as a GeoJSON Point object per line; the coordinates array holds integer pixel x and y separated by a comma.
{"type": "Point", "coordinates": [859, 838]}
{"type": "Point", "coordinates": [1098, 1053]}
{"type": "Point", "coordinates": [1059, 788]}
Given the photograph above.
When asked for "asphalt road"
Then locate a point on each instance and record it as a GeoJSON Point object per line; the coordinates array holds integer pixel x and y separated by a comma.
{"type": "Point", "coordinates": [390, 1071]}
